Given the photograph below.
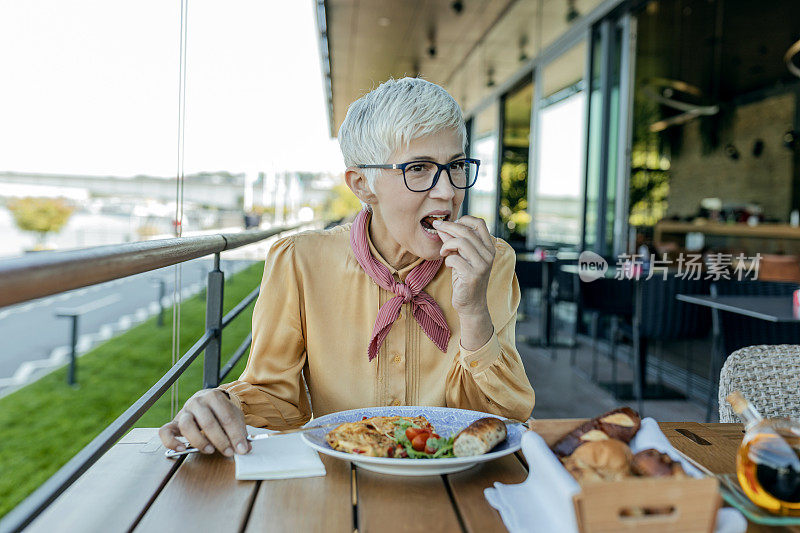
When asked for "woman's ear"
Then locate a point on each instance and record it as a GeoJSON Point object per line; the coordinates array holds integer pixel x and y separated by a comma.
{"type": "Point", "coordinates": [358, 183]}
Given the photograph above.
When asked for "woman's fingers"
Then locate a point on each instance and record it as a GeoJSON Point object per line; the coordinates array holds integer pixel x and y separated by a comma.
{"type": "Point", "coordinates": [168, 434]}
{"type": "Point", "coordinates": [469, 234]}
{"type": "Point", "coordinates": [456, 262]}
{"type": "Point", "coordinates": [189, 429]}
{"type": "Point", "coordinates": [232, 422]}
{"type": "Point", "coordinates": [479, 226]}
{"type": "Point", "coordinates": [212, 429]}
{"type": "Point", "coordinates": [465, 249]}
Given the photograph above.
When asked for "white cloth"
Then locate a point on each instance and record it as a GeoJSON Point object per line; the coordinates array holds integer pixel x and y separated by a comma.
{"type": "Point", "coordinates": [543, 502]}
{"type": "Point", "coordinates": [281, 457]}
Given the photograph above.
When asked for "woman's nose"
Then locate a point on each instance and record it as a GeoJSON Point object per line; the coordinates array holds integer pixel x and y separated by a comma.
{"type": "Point", "coordinates": [443, 187]}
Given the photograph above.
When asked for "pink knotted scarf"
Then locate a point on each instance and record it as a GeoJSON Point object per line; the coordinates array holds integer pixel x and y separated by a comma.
{"type": "Point", "coordinates": [424, 308]}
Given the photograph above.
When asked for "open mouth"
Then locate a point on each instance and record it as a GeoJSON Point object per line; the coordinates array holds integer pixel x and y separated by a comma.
{"type": "Point", "coordinates": [427, 222]}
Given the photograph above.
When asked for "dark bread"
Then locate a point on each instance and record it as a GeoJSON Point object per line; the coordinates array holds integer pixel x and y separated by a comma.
{"type": "Point", "coordinates": [621, 424]}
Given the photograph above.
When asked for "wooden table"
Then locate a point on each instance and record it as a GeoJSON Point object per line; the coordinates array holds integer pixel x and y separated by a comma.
{"type": "Point", "coordinates": [135, 488]}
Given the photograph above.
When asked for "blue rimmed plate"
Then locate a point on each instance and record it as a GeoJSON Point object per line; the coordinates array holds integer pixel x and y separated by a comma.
{"type": "Point", "coordinates": [445, 420]}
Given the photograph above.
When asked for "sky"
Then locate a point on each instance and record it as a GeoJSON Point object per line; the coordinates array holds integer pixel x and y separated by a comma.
{"type": "Point", "coordinates": [91, 87]}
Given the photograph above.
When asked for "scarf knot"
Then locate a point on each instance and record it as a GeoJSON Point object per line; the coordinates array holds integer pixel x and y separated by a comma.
{"type": "Point", "coordinates": [426, 311]}
{"type": "Point", "coordinates": [403, 291]}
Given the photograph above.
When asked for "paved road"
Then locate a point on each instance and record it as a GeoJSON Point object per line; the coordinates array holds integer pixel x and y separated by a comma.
{"type": "Point", "coordinates": [32, 335]}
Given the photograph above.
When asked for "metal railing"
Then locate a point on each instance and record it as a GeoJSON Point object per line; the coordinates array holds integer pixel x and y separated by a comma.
{"type": "Point", "coordinates": [38, 275]}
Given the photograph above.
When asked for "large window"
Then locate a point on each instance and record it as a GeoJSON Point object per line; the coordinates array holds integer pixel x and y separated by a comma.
{"type": "Point", "coordinates": [483, 195]}
{"type": "Point", "coordinates": [558, 191]}
{"type": "Point", "coordinates": [715, 128]}
{"type": "Point", "coordinates": [514, 215]}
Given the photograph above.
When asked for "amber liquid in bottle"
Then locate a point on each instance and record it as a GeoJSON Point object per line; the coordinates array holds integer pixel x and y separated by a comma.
{"type": "Point", "coordinates": [768, 462]}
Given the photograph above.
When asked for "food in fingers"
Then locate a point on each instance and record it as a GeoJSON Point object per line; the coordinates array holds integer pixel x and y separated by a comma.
{"type": "Point", "coordinates": [479, 437]}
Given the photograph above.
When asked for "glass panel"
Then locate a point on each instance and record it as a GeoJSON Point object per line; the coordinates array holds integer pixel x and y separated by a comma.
{"type": "Point", "coordinates": [483, 196]}
{"type": "Point", "coordinates": [613, 138]}
{"type": "Point", "coordinates": [729, 162]}
{"type": "Point", "coordinates": [594, 146]}
{"type": "Point", "coordinates": [88, 142]}
{"type": "Point", "coordinates": [558, 191]}
{"type": "Point", "coordinates": [514, 215]}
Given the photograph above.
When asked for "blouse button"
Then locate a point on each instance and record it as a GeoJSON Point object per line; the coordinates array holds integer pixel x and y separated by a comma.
{"type": "Point", "coordinates": [473, 364]}
{"type": "Point", "coordinates": [400, 315]}
{"type": "Point", "coordinates": [396, 403]}
{"type": "Point", "coordinates": [398, 359]}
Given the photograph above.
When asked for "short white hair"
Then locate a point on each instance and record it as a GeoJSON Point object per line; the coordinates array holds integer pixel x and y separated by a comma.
{"type": "Point", "coordinates": [390, 117]}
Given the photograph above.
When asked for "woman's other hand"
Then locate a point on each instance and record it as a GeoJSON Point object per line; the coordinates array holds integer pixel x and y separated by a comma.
{"type": "Point", "coordinates": [469, 251]}
{"type": "Point", "coordinates": [209, 420]}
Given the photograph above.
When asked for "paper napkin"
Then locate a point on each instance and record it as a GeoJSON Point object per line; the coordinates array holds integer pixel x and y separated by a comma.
{"type": "Point", "coordinates": [281, 457]}
{"type": "Point", "coordinates": [543, 502]}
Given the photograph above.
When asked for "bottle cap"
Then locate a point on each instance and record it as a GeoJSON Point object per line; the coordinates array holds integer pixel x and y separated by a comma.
{"type": "Point", "coordinates": [737, 401]}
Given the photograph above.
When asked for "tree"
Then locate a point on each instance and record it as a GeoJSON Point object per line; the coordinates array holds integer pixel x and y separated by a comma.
{"type": "Point", "coordinates": [40, 215]}
{"type": "Point", "coordinates": [341, 203]}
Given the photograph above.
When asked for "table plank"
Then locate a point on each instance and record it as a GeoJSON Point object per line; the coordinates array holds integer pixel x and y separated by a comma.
{"type": "Point", "coordinates": [712, 449]}
{"type": "Point", "coordinates": [467, 490]}
{"type": "Point", "coordinates": [301, 504]}
{"type": "Point", "coordinates": [203, 495]}
{"type": "Point", "coordinates": [113, 493]}
{"type": "Point", "coordinates": [389, 503]}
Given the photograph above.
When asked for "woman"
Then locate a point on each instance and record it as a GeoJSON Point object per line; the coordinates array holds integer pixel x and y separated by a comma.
{"type": "Point", "coordinates": [407, 305]}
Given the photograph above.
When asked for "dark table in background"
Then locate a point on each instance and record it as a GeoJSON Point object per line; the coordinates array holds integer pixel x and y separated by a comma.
{"type": "Point", "coordinates": [769, 308]}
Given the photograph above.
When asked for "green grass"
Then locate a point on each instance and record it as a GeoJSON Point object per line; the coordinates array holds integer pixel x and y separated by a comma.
{"type": "Point", "coordinates": [46, 423]}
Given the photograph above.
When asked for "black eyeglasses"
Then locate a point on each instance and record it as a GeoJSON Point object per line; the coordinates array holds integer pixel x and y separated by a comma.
{"type": "Point", "coordinates": [421, 176]}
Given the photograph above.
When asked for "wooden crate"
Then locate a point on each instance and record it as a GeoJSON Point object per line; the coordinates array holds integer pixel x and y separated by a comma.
{"type": "Point", "coordinates": [688, 505]}
{"type": "Point", "coordinates": [691, 504]}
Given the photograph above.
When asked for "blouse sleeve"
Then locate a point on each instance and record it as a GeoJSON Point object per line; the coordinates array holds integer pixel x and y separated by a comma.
{"type": "Point", "coordinates": [492, 378]}
{"type": "Point", "coordinates": [271, 392]}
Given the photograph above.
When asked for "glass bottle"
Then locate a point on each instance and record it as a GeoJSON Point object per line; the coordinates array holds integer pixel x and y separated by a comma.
{"type": "Point", "coordinates": [768, 461]}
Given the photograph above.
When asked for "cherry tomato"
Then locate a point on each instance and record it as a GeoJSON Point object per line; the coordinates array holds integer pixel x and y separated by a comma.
{"type": "Point", "coordinates": [419, 441]}
{"type": "Point", "coordinates": [413, 432]}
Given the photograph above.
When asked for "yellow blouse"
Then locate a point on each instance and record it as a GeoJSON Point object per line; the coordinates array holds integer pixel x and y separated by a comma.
{"type": "Point", "coordinates": [313, 320]}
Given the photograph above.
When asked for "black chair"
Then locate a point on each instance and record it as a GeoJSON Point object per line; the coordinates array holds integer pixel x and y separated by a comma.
{"type": "Point", "coordinates": [564, 289]}
{"type": "Point", "coordinates": [733, 331]}
{"type": "Point", "coordinates": [529, 276]}
{"type": "Point", "coordinates": [659, 316]}
{"type": "Point", "coordinates": [604, 298]}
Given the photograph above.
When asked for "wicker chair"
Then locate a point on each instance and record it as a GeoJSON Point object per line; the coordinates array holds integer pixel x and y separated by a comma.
{"type": "Point", "coordinates": [768, 376]}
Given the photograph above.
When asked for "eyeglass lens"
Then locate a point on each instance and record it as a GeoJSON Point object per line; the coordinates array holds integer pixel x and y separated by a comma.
{"type": "Point", "coordinates": [419, 175]}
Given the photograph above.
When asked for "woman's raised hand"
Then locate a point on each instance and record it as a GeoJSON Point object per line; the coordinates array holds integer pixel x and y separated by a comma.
{"type": "Point", "coordinates": [469, 251]}
{"type": "Point", "coordinates": [209, 420]}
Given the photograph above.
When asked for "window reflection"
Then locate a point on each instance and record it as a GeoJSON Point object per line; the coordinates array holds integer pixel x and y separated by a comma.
{"type": "Point", "coordinates": [514, 215]}
{"type": "Point", "coordinates": [560, 146]}
{"type": "Point", "coordinates": [483, 195]}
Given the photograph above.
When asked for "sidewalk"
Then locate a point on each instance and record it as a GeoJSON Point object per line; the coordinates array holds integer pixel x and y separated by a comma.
{"type": "Point", "coordinates": [561, 392]}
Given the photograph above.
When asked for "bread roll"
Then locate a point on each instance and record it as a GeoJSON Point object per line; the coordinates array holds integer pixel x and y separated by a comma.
{"type": "Point", "coordinates": [604, 460]}
{"type": "Point", "coordinates": [652, 463]}
{"type": "Point", "coordinates": [479, 437]}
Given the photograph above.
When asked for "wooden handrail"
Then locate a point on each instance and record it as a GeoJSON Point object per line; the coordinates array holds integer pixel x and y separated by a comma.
{"type": "Point", "coordinates": [45, 273]}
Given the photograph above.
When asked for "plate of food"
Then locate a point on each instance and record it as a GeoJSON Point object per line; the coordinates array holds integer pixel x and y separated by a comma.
{"type": "Point", "coordinates": [413, 440]}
